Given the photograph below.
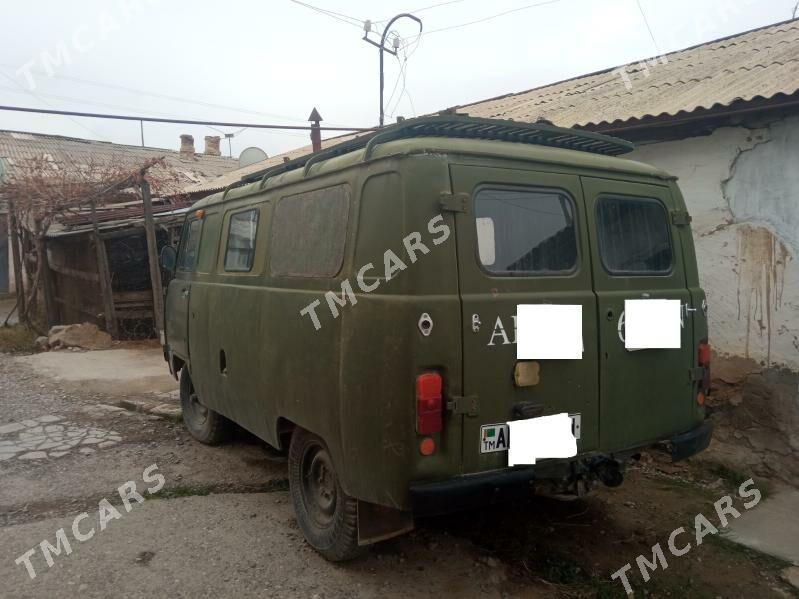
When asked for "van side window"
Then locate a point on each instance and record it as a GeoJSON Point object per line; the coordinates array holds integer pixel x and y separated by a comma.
{"type": "Point", "coordinates": [525, 230]}
{"type": "Point", "coordinates": [189, 243]}
{"type": "Point", "coordinates": [240, 251]}
{"type": "Point", "coordinates": [633, 236]}
{"type": "Point", "coordinates": [309, 231]}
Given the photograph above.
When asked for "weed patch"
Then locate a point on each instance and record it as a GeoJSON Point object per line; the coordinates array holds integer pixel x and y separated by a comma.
{"type": "Point", "coordinates": [16, 339]}
{"type": "Point", "coordinates": [733, 478]}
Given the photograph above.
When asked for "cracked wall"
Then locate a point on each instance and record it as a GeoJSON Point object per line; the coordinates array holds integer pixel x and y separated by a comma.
{"type": "Point", "coordinates": [741, 186]}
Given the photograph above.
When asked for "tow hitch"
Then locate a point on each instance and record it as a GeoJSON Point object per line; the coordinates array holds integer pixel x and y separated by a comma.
{"type": "Point", "coordinates": [610, 472]}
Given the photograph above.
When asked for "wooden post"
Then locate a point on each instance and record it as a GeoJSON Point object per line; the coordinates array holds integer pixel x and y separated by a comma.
{"type": "Point", "coordinates": [152, 255]}
{"type": "Point", "coordinates": [17, 258]}
{"type": "Point", "coordinates": [105, 277]}
{"type": "Point", "coordinates": [50, 308]}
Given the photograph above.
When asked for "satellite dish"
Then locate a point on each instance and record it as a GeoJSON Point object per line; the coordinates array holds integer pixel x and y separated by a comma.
{"type": "Point", "coordinates": [250, 156]}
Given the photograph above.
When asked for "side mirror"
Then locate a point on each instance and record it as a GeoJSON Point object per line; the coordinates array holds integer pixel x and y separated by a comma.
{"type": "Point", "coordinates": [168, 258]}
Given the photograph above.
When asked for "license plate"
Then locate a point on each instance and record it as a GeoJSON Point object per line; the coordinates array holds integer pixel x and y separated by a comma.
{"type": "Point", "coordinates": [495, 437]}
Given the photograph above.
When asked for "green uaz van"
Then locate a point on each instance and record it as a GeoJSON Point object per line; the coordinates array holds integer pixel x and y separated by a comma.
{"type": "Point", "coordinates": [357, 308]}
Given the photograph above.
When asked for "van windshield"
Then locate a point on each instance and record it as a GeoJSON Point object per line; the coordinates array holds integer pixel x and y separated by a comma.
{"type": "Point", "coordinates": [525, 230]}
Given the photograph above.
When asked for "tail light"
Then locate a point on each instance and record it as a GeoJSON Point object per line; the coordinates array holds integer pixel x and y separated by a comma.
{"type": "Point", "coordinates": [703, 358]}
{"type": "Point", "coordinates": [704, 354]}
{"type": "Point", "coordinates": [428, 403]}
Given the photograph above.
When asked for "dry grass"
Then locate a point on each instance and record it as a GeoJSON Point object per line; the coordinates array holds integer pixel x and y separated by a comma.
{"type": "Point", "coordinates": [17, 339]}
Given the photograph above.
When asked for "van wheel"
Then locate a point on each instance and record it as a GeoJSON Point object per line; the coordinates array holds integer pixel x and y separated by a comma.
{"type": "Point", "coordinates": [202, 422]}
{"type": "Point", "coordinates": [327, 516]}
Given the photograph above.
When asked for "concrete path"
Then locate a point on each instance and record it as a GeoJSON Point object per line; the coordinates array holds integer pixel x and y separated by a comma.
{"type": "Point", "coordinates": [128, 371]}
{"type": "Point", "coordinates": [770, 527]}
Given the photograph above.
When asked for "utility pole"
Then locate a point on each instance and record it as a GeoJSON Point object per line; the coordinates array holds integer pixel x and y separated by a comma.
{"type": "Point", "coordinates": [382, 48]}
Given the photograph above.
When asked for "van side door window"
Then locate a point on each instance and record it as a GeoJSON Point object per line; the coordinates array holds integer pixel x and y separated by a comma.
{"type": "Point", "coordinates": [189, 244]}
{"type": "Point", "coordinates": [633, 236]}
{"type": "Point", "coordinates": [242, 232]}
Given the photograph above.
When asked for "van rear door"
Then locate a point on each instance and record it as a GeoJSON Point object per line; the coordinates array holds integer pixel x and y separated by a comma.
{"type": "Point", "coordinates": [645, 395]}
{"type": "Point", "coordinates": [522, 239]}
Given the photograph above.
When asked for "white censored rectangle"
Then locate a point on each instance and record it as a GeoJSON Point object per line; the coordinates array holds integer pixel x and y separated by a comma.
{"type": "Point", "coordinates": [652, 324]}
{"type": "Point", "coordinates": [543, 437]}
{"type": "Point", "coordinates": [549, 332]}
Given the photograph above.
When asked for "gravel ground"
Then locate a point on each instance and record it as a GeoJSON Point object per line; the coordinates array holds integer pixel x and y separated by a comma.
{"type": "Point", "coordinates": [222, 526]}
{"type": "Point", "coordinates": [225, 529]}
{"type": "Point", "coordinates": [25, 394]}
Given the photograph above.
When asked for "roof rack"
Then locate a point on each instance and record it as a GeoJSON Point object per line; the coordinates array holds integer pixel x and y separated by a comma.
{"type": "Point", "coordinates": [465, 127]}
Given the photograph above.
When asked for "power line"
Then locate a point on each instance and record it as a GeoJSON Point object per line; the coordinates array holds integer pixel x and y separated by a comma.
{"type": "Point", "coordinates": [648, 28]}
{"type": "Point", "coordinates": [226, 133]}
{"type": "Point", "coordinates": [148, 119]}
{"type": "Point", "coordinates": [117, 106]}
{"type": "Point", "coordinates": [396, 82]}
{"type": "Point", "coordinates": [403, 74]}
{"type": "Point", "coordinates": [229, 136]}
{"type": "Point", "coordinates": [46, 103]}
{"type": "Point", "coordinates": [83, 101]}
{"type": "Point", "coordinates": [424, 9]}
{"type": "Point", "coordinates": [488, 18]}
{"type": "Point", "coordinates": [331, 13]}
{"type": "Point", "coordinates": [162, 96]}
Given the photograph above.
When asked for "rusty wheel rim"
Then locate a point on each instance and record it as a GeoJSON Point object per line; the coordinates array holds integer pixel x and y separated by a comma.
{"type": "Point", "coordinates": [197, 412]}
{"type": "Point", "coordinates": [319, 492]}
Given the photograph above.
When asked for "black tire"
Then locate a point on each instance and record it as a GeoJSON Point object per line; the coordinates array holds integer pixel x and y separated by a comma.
{"type": "Point", "coordinates": [202, 422]}
{"type": "Point", "coordinates": [327, 516]}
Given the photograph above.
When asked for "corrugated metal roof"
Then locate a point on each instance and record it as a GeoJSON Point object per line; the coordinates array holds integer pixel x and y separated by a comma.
{"type": "Point", "coordinates": [762, 63]}
{"type": "Point", "coordinates": [17, 147]}
{"type": "Point", "coordinates": [235, 176]}
{"type": "Point", "coordinates": [161, 217]}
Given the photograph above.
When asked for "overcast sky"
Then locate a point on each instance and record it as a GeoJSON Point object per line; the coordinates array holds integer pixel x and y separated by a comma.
{"type": "Point", "coordinates": [272, 61]}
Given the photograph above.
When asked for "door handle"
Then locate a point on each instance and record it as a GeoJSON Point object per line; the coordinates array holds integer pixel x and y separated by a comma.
{"type": "Point", "coordinates": [185, 292]}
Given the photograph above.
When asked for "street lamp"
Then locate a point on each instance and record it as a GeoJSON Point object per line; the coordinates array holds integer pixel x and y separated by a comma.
{"type": "Point", "coordinates": [382, 47]}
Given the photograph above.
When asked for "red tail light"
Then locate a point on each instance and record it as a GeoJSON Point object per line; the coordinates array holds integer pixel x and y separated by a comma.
{"type": "Point", "coordinates": [704, 354]}
{"type": "Point", "coordinates": [428, 403]}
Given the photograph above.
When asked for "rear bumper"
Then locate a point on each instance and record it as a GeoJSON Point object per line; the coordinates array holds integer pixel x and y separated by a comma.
{"type": "Point", "coordinates": [475, 490]}
{"type": "Point", "coordinates": [468, 492]}
{"type": "Point", "coordinates": [692, 442]}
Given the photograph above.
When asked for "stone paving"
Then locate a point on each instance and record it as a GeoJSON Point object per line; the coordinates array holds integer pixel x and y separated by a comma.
{"type": "Point", "coordinates": [50, 436]}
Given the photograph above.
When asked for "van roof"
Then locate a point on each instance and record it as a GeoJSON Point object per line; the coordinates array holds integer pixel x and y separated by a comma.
{"type": "Point", "coordinates": [455, 134]}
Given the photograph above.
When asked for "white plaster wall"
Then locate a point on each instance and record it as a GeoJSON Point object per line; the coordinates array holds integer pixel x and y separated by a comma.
{"type": "Point", "coordinates": [742, 189]}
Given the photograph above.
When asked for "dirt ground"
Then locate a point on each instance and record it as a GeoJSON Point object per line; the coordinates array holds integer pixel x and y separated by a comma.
{"type": "Point", "coordinates": [222, 524]}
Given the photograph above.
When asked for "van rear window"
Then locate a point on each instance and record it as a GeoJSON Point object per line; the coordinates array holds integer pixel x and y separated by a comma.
{"type": "Point", "coordinates": [633, 236]}
{"type": "Point", "coordinates": [525, 230]}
